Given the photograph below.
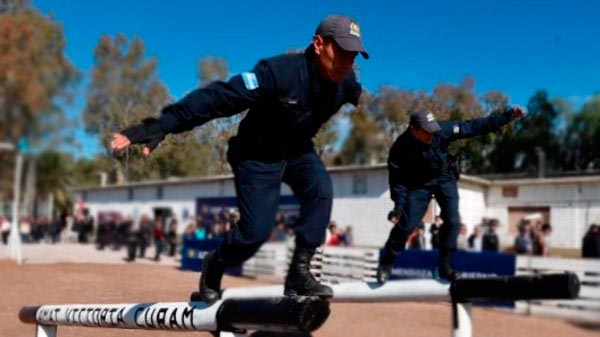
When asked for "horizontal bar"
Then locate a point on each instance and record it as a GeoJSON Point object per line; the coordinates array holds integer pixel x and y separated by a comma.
{"type": "Point", "coordinates": [523, 287]}
{"type": "Point", "coordinates": [554, 286]}
{"type": "Point", "coordinates": [393, 291]}
{"type": "Point", "coordinates": [278, 314]}
{"type": "Point", "coordinates": [151, 316]}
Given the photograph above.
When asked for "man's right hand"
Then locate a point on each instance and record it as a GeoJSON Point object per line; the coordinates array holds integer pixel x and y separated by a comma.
{"type": "Point", "coordinates": [119, 142]}
{"type": "Point", "coordinates": [147, 133]}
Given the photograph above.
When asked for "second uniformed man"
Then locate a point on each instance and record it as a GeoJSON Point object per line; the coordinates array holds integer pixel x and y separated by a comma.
{"type": "Point", "coordinates": [289, 97]}
{"type": "Point", "coordinates": [420, 167]}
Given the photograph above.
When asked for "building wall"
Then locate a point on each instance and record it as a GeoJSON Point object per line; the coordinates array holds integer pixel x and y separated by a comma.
{"type": "Point", "coordinates": [361, 200]}
{"type": "Point", "coordinates": [573, 206]}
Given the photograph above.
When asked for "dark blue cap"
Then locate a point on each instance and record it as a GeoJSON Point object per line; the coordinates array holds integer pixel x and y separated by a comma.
{"type": "Point", "coordinates": [344, 31]}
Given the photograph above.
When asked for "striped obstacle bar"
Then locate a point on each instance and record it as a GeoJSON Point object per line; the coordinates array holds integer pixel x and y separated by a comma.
{"type": "Point", "coordinates": [263, 308]}
{"type": "Point", "coordinates": [229, 317]}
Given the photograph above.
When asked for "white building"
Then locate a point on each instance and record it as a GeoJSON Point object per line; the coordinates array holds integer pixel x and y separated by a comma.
{"type": "Point", "coordinates": [361, 200]}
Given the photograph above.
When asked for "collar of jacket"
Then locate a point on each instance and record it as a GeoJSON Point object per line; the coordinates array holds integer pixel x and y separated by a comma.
{"type": "Point", "coordinates": [313, 69]}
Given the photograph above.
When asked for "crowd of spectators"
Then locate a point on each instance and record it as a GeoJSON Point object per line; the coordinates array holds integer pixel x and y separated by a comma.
{"type": "Point", "coordinates": [114, 231]}
{"type": "Point", "coordinates": [533, 238]}
{"type": "Point", "coordinates": [338, 237]}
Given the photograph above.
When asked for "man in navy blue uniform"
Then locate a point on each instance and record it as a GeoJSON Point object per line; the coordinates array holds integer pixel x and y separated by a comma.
{"type": "Point", "coordinates": [288, 97]}
{"type": "Point", "coordinates": [420, 168]}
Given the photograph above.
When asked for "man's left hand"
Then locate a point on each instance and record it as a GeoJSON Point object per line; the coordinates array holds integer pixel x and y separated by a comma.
{"type": "Point", "coordinates": [518, 111]}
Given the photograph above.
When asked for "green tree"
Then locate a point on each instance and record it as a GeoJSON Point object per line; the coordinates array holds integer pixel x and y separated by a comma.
{"type": "Point", "coordinates": [364, 144]}
{"type": "Point", "coordinates": [533, 143]}
{"type": "Point", "coordinates": [36, 81]}
{"type": "Point", "coordinates": [35, 74]}
{"type": "Point", "coordinates": [124, 90]}
{"type": "Point", "coordinates": [582, 140]}
{"type": "Point", "coordinates": [54, 178]}
{"type": "Point", "coordinates": [391, 109]}
{"type": "Point", "coordinates": [216, 132]}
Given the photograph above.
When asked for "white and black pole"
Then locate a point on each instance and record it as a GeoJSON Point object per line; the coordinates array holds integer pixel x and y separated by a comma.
{"type": "Point", "coordinates": [14, 239]}
{"type": "Point", "coordinates": [281, 314]}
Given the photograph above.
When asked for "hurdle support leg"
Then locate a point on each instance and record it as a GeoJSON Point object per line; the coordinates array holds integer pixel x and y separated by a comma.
{"type": "Point", "coordinates": [43, 330]}
{"type": "Point", "coordinates": [461, 319]}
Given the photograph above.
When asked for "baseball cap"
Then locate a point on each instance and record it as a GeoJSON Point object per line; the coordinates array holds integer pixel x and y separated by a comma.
{"type": "Point", "coordinates": [344, 31]}
{"type": "Point", "coordinates": [425, 120]}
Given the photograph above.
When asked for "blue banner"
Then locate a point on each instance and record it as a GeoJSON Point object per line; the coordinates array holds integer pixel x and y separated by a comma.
{"type": "Point", "coordinates": [419, 264]}
{"type": "Point", "coordinates": [423, 264]}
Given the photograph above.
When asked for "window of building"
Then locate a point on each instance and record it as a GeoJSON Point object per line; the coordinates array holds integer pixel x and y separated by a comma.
{"type": "Point", "coordinates": [159, 193]}
{"type": "Point", "coordinates": [510, 191]}
{"type": "Point", "coordinates": [130, 193]}
{"type": "Point", "coordinates": [359, 183]}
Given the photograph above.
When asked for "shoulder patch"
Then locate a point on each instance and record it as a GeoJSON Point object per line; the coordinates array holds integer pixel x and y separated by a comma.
{"type": "Point", "coordinates": [456, 129]}
{"type": "Point", "coordinates": [250, 81]}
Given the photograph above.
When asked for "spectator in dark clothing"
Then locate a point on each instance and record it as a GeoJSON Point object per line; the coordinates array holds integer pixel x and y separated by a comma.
{"type": "Point", "coordinates": [144, 235]}
{"type": "Point", "coordinates": [417, 241]}
{"type": "Point", "coordinates": [122, 228]}
{"type": "Point", "coordinates": [434, 230]}
{"type": "Point", "coordinates": [279, 232]}
{"type": "Point", "coordinates": [523, 241]}
{"type": "Point", "coordinates": [172, 238]}
{"type": "Point", "coordinates": [591, 243]}
{"type": "Point", "coordinates": [102, 234]}
{"type": "Point", "coordinates": [491, 243]}
{"type": "Point", "coordinates": [541, 242]}
{"type": "Point", "coordinates": [87, 227]}
{"type": "Point", "coordinates": [347, 237]}
{"type": "Point", "coordinates": [131, 240]}
{"type": "Point", "coordinates": [159, 237]}
{"type": "Point", "coordinates": [4, 229]}
{"type": "Point", "coordinates": [57, 227]}
{"type": "Point", "coordinates": [476, 240]}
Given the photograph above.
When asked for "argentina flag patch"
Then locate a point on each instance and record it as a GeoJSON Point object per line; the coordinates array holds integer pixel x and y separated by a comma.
{"type": "Point", "coordinates": [250, 81]}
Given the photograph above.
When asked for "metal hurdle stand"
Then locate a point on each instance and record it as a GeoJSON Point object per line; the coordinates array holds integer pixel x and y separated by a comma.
{"type": "Point", "coordinates": [459, 293]}
{"type": "Point", "coordinates": [264, 309]}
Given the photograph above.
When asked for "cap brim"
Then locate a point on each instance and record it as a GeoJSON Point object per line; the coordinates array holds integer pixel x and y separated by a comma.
{"type": "Point", "coordinates": [352, 43]}
{"type": "Point", "coordinates": [432, 127]}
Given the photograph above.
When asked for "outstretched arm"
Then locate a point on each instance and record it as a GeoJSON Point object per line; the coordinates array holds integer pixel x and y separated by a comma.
{"type": "Point", "coordinates": [476, 127]}
{"type": "Point", "coordinates": [219, 99]}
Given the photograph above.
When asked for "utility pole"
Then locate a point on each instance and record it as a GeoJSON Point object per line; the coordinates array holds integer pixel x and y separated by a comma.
{"type": "Point", "coordinates": [15, 236]}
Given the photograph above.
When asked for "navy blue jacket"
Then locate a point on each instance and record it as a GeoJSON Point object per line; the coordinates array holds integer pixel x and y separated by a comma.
{"type": "Point", "coordinates": [414, 163]}
{"type": "Point", "coordinates": [287, 102]}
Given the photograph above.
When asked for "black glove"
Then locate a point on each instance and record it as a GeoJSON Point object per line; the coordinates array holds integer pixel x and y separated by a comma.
{"type": "Point", "coordinates": [513, 112]}
{"type": "Point", "coordinates": [148, 133]}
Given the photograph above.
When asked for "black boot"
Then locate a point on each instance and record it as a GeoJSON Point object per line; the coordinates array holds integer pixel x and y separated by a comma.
{"type": "Point", "coordinates": [445, 271]}
{"type": "Point", "coordinates": [384, 271]}
{"type": "Point", "coordinates": [386, 261]}
{"type": "Point", "coordinates": [210, 280]}
{"type": "Point", "coordinates": [299, 280]}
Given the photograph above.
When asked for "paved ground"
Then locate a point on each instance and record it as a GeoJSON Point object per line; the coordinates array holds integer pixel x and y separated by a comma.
{"type": "Point", "coordinates": [55, 274]}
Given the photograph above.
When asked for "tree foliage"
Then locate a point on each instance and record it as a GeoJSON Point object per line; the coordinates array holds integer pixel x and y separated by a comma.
{"type": "Point", "coordinates": [35, 74]}
{"type": "Point", "coordinates": [36, 82]}
{"type": "Point", "coordinates": [126, 89]}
